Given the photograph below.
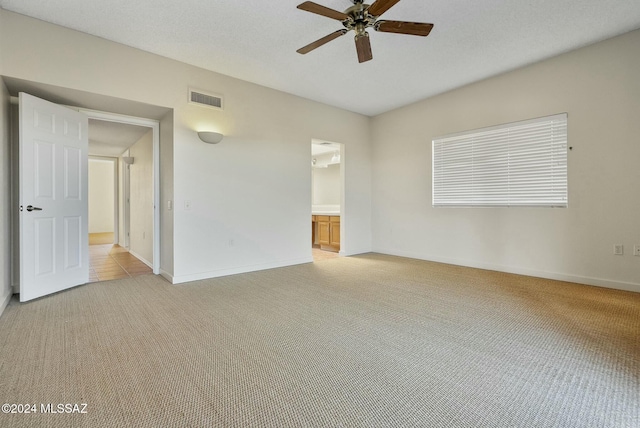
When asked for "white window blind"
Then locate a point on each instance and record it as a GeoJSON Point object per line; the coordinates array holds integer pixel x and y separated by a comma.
{"type": "Point", "coordinates": [516, 164]}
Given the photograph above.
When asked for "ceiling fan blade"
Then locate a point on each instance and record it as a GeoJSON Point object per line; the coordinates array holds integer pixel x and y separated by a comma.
{"type": "Point", "coordinates": [322, 41]}
{"type": "Point", "coordinates": [381, 6]}
{"type": "Point", "coordinates": [404, 27]}
{"type": "Point", "coordinates": [312, 7]}
{"type": "Point", "coordinates": [363, 46]}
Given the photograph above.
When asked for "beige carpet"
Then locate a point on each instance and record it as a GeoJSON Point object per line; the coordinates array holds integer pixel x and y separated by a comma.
{"type": "Point", "coordinates": [359, 341]}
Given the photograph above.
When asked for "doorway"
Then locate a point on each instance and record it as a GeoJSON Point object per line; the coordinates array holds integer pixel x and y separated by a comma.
{"type": "Point", "coordinates": [121, 220]}
{"type": "Point", "coordinates": [53, 178]}
{"type": "Point", "coordinates": [327, 190]}
{"type": "Point", "coordinates": [130, 112]}
{"type": "Point", "coordinates": [136, 142]}
{"type": "Point", "coordinates": [103, 194]}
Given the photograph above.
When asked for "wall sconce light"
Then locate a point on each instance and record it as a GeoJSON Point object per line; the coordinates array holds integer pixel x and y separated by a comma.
{"type": "Point", "coordinates": [210, 137]}
{"type": "Point", "coordinates": [128, 160]}
{"type": "Point", "coordinates": [335, 158]}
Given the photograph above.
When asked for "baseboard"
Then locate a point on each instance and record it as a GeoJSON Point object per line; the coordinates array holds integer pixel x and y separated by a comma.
{"type": "Point", "coordinates": [352, 252]}
{"type": "Point", "coordinates": [598, 282]}
{"type": "Point", "coordinates": [5, 303]}
{"type": "Point", "coordinates": [142, 259]}
{"type": "Point", "coordinates": [179, 279]}
{"type": "Point", "coordinates": [166, 275]}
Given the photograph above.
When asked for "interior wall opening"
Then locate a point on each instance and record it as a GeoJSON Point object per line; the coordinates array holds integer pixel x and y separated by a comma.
{"type": "Point", "coordinates": [107, 109]}
{"type": "Point", "coordinates": [103, 186]}
{"type": "Point", "coordinates": [327, 199]}
{"type": "Point", "coordinates": [118, 247]}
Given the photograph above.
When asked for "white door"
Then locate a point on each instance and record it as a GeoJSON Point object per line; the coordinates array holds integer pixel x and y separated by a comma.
{"type": "Point", "coordinates": [54, 240]}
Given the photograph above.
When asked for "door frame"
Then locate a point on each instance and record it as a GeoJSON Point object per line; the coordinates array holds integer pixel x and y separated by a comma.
{"type": "Point", "coordinates": [126, 203]}
{"type": "Point", "coordinates": [155, 127]}
{"type": "Point", "coordinates": [343, 199]}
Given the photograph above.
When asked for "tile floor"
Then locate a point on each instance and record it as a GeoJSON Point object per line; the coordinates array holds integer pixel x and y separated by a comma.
{"type": "Point", "coordinates": [109, 261]}
{"type": "Point", "coordinates": [319, 255]}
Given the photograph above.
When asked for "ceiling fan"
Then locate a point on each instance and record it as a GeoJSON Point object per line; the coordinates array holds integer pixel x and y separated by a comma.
{"type": "Point", "coordinates": [358, 18]}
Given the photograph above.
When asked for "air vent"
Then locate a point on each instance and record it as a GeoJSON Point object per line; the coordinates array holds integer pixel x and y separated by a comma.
{"type": "Point", "coordinates": [207, 100]}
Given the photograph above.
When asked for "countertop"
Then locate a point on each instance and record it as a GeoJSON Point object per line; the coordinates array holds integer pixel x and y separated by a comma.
{"type": "Point", "coordinates": [325, 212]}
{"type": "Point", "coordinates": [325, 209]}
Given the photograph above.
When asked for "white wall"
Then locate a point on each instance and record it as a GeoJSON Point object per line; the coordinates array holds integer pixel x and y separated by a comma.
{"type": "Point", "coordinates": [14, 143]}
{"type": "Point", "coordinates": [326, 185]}
{"type": "Point", "coordinates": [166, 194]}
{"type": "Point", "coordinates": [121, 201]}
{"type": "Point", "coordinates": [5, 198]}
{"type": "Point", "coordinates": [250, 195]}
{"type": "Point", "coordinates": [141, 199]}
{"type": "Point", "coordinates": [101, 195]}
{"type": "Point", "coordinates": [598, 86]}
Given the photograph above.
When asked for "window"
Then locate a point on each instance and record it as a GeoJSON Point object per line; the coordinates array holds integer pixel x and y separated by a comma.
{"type": "Point", "coordinates": [517, 164]}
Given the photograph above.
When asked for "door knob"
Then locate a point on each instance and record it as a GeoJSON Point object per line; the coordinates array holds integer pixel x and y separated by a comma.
{"type": "Point", "coordinates": [32, 208]}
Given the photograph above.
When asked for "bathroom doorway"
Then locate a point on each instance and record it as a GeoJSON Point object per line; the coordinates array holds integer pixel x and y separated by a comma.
{"type": "Point", "coordinates": [327, 184]}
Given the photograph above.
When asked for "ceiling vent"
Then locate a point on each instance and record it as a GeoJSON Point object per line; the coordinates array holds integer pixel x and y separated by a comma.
{"type": "Point", "coordinates": [207, 100]}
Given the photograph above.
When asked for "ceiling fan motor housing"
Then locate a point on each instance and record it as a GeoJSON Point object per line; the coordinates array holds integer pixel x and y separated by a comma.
{"type": "Point", "coordinates": [358, 18]}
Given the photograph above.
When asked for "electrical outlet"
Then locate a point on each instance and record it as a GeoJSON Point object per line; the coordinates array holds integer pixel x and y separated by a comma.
{"type": "Point", "coordinates": [187, 205]}
{"type": "Point", "coordinates": [618, 249]}
{"type": "Point", "coordinates": [636, 250]}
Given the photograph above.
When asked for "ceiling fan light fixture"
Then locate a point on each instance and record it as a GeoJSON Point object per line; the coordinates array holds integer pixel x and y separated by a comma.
{"type": "Point", "coordinates": [358, 18]}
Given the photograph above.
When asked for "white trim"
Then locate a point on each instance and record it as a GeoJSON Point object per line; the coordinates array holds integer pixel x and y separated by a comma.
{"type": "Point", "coordinates": [344, 244]}
{"type": "Point", "coordinates": [155, 126]}
{"type": "Point", "coordinates": [585, 280]}
{"type": "Point", "coordinates": [241, 269]}
{"type": "Point", "coordinates": [352, 252]}
{"type": "Point", "coordinates": [142, 259]}
{"type": "Point", "coordinates": [166, 275]}
{"type": "Point", "coordinates": [5, 303]}
{"type": "Point", "coordinates": [126, 203]}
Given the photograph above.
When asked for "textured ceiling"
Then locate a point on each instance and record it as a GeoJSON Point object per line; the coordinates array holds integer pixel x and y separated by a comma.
{"type": "Point", "coordinates": [111, 138]}
{"type": "Point", "coordinates": [256, 40]}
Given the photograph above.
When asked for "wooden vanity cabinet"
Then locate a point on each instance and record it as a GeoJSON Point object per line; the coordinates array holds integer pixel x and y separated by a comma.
{"type": "Point", "coordinates": [334, 232]}
{"type": "Point", "coordinates": [328, 232]}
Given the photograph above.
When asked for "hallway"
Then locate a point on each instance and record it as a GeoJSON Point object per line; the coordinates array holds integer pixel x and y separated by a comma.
{"type": "Point", "coordinates": [110, 261]}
